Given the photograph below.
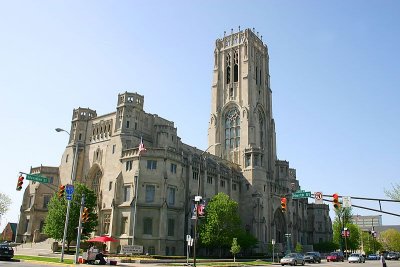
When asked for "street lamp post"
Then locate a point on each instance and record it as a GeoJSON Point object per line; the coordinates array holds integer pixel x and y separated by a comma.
{"type": "Point", "coordinates": [273, 249]}
{"type": "Point", "coordinates": [75, 159]}
{"type": "Point", "coordinates": [197, 199]}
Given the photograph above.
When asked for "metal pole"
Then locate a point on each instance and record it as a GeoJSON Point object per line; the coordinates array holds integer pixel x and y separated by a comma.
{"type": "Point", "coordinates": [196, 203]}
{"type": "Point", "coordinates": [134, 211]}
{"type": "Point", "coordinates": [78, 238]}
{"type": "Point", "coordinates": [69, 201]}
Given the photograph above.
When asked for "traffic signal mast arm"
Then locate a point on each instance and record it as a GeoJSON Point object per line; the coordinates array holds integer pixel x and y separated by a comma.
{"type": "Point", "coordinates": [363, 198]}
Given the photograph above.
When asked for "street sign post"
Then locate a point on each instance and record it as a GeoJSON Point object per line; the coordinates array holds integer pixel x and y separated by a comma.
{"type": "Point", "coordinates": [301, 194]}
{"type": "Point", "coordinates": [37, 178]}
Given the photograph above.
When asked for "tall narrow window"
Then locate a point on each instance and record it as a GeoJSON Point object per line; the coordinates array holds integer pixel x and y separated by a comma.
{"type": "Point", "coordinates": [232, 129]}
{"type": "Point", "coordinates": [171, 196]}
{"type": "Point", "coordinates": [147, 226]}
{"type": "Point", "coordinates": [228, 68]}
{"type": "Point", "coordinates": [124, 225]}
{"type": "Point", "coordinates": [236, 67]}
{"type": "Point", "coordinates": [150, 191]}
{"type": "Point", "coordinates": [256, 75]}
{"type": "Point", "coordinates": [127, 193]}
{"type": "Point", "coordinates": [261, 123]}
{"type": "Point", "coordinates": [171, 227]}
{"type": "Point", "coordinates": [46, 200]}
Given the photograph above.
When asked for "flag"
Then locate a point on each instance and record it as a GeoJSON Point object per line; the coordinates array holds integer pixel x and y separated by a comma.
{"type": "Point", "coordinates": [141, 146]}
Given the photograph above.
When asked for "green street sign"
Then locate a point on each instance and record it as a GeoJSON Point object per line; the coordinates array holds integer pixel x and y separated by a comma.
{"type": "Point", "coordinates": [301, 194]}
{"type": "Point", "coordinates": [37, 178]}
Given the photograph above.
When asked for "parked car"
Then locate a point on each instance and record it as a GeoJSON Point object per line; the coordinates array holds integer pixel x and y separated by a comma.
{"type": "Point", "coordinates": [356, 257]}
{"type": "Point", "coordinates": [293, 259]}
{"type": "Point", "coordinates": [6, 252]}
{"type": "Point", "coordinates": [335, 256]}
{"type": "Point", "coordinates": [373, 257]}
{"type": "Point", "coordinates": [392, 256]}
{"type": "Point", "coordinates": [312, 256]}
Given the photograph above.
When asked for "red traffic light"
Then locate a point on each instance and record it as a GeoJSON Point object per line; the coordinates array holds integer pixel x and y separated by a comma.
{"type": "Point", "coordinates": [61, 191]}
{"type": "Point", "coordinates": [283, 204]}
{"type": "Point", "coordinates": [20, 182]}
{"type": "Point", "coordinates": [336, 203]}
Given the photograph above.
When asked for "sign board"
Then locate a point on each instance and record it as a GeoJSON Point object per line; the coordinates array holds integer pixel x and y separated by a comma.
{"type": "Point", "coordinates": [318, 198]}
{"type": "Point", "coordinates": [131, 249]}
{"type": "Point", "coordinates": [301, 194]}
{"type": "Point", "coordinates": [346, 202]}
{"type": "Point", "coordinates": [69, 190]}
{"type": "Point", "coordinates": [37, 178]}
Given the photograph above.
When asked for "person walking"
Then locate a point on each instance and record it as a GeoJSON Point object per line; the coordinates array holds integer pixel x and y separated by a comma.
{"type": "Point", "coordinates": [383, 260]}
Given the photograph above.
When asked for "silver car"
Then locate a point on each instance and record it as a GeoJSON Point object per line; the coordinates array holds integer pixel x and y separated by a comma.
{"type": "Point", "coordinates": [293, 259]}
{"type": "Point", "coordinates": [356, 257]}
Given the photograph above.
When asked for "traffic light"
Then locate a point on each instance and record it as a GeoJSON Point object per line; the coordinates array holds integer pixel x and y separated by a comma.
{"type": "Point", "coordinates": [336, 203]}
{"type": "Point", "coordinates": [85, 215]}
{"type": "Point", "coordinates": [61, 191]}
{"type": "Point", "coordinates": [20, 182]}
{"type": "Point", "coordinates": [283, 204]}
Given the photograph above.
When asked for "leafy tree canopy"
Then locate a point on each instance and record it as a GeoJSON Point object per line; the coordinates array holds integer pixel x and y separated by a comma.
{"type": "Point", "coordinates": [222, 222]}
{"type": "Point", "coordinates": [390, 239]}
{"type": "Point", "coordinates": [5, 202]}
{"type": "Point", "coordinates": [55, 220]}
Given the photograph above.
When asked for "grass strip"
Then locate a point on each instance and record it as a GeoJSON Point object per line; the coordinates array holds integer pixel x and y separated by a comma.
{"type": "Point", "coordinates": [44, 259]}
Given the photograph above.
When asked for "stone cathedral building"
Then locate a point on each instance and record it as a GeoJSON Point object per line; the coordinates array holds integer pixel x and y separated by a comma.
{"type": "Point", "coordinates": [148, 196]}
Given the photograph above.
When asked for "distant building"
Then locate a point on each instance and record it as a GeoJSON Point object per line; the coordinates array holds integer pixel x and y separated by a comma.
{"type": "Point", "coordinates": [34, 205]}
{"type": "Point", "coordinates": [148, 196]}
{"type": "Point", "coordinates": [367, 223]}
{"type": "Point", "coordinates": [9, 231]}
{"type": "Point", "coordinates": [320, 224]}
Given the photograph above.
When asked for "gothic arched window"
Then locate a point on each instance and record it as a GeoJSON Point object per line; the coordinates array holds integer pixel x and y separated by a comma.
{"type": "Point", "coordinates": [96, 181]}
{"type": "Point", "coordinates": [232, 129]}
{"type": "Point", "coordinates": [228, 68]}
{"type": "Point", "coordinates": [261, 123]}
{"type": "Point", "coordinates": [235, 67]}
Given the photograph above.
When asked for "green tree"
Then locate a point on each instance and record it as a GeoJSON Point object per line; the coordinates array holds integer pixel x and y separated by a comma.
{"type": "Point", "coordinates": [342, 220]}
{"type": "Point", "coordinates": [326, 246]}
{"type": "Point", "coordinates": [235, 248]}
{"type": "Point", "coordinates": [394, 193]}
{"type": "Point", "coordinates": [222, 223]}
{"type": "Point", "coordinates": [5, 203]}
{"type": "Point", "coordinates": [354, 240]}
{"type": "Point", "coordinates": [298, 248]}
{"type": "Point", "coordinates": [390, 239]}
{"type": "Point", "coordinates": [370, 244]}
{"type": "Point", "coordinates": [55, 220]}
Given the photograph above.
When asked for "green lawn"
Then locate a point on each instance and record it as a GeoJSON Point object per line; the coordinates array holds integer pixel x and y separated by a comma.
{"type": "Point", "coordinates": [44, 259]}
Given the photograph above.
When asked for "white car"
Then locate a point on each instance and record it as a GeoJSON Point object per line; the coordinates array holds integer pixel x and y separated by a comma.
{"type": "Point", "coordinates": [356, 257]}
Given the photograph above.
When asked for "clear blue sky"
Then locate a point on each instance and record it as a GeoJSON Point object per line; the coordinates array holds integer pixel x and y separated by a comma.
{"type": "Point", "coordinates": [334, 65]}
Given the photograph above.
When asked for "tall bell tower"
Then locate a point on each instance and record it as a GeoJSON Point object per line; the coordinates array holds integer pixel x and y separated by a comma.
{"type": "Point", "coordinates": [241, 106]}
{"type": "Point", "coordinates": [241, 122]}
